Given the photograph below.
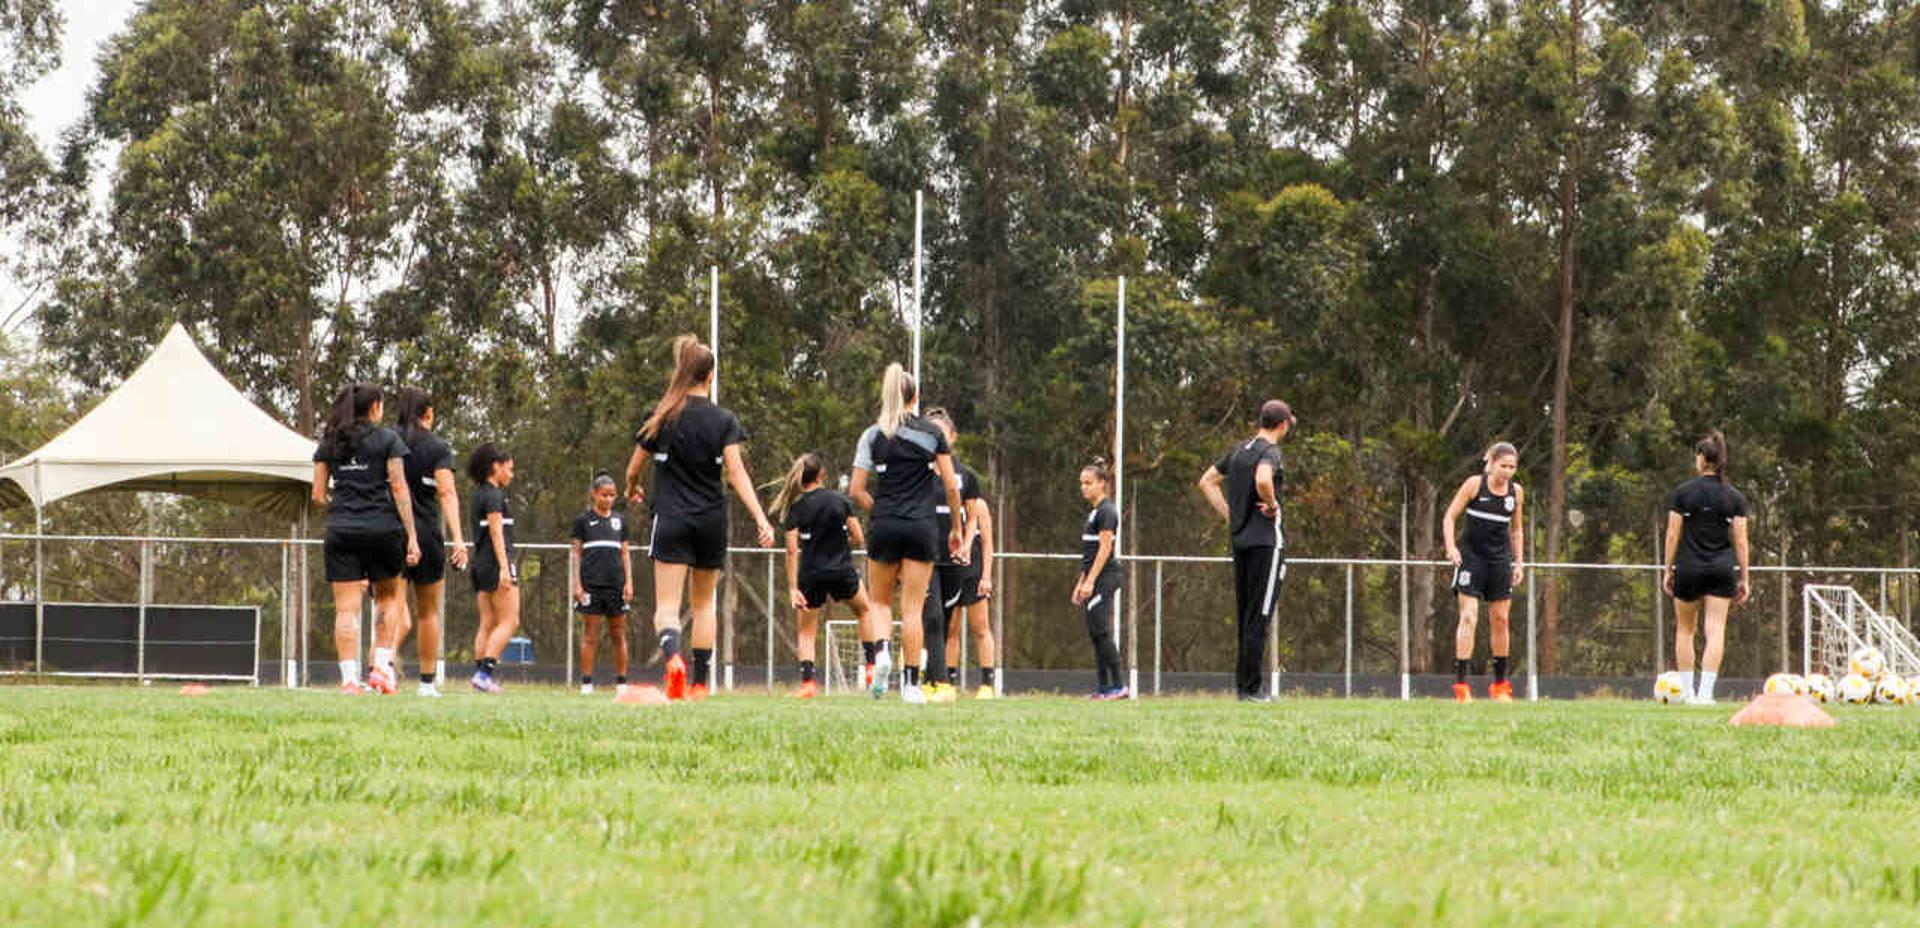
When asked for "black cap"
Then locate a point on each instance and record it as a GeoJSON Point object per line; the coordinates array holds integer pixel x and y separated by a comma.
{"type": "Point", "coordinates": [1274, 412]}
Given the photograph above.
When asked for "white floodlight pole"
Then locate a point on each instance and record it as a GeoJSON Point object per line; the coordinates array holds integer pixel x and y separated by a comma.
{"type": "Point", "coordinates": [713, 344]}
{"type": "Point", "coordinates": [919, 212]}
{"type": "Point", "coordinates": [1120, 466]}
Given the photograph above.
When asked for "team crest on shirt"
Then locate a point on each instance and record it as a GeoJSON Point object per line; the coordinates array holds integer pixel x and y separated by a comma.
{"type": "Point", "coordinates": [616, 523]}
{"type": "Point", "coordinates": [1509, 502]}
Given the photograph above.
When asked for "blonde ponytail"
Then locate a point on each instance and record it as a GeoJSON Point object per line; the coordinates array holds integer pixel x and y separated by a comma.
{"type": "Point", "coordinates": [806, 469]}
{"type": "Point", "coordinates": [692, 365]}
{"type": "Point", "coordinates": [897, 393]}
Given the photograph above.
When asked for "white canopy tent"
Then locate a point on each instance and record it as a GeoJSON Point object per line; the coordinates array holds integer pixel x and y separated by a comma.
{"type": "Point", "coordinates": [175, 426]}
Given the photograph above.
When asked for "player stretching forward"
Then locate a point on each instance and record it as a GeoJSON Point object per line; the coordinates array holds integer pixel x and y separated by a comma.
{"type": "Point", "coordinates": [1489, 568]}
{"type": "Point", "coordinates": [906, 458]}
{"type": "Point", "coordinates": [1706, 559]}
{"type": "Point", "coordinates": [821, 531]}
{"type": "Point", "coordinates": [496, 576]}
{"type": "Point", "coordinates": [691, 442]}
{"type": "Point", "coordinates": [602, 580]}
{"type": "Point", "coordinates": [370, 534]}
{"type": "Point", "coordinates": [966, 587]}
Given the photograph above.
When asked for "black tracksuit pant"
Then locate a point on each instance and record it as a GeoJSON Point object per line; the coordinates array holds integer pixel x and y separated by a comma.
{"type": "Point", "coordinates": [1106, 652]}
{"type": "Point", "coordinates": [1257, 573]}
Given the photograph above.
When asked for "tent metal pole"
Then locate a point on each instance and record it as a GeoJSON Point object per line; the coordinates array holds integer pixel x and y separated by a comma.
{"type": "Point", "coordinates": [286, 608]}
{"type": "Point", "coordinates": [919, 211]}
{"type": "Point", "coordinates": [305, 621]}
{"type": "Point", "coordinates": [146, 579]}
{"type": "Point", "coordinates": [39, 574]}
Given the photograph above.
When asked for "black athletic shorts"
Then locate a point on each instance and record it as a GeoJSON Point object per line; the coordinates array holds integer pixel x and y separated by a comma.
{"type": "Point", "coordinates": [1486, 581]}
{"type": "Point", "coordinates": [1690, 582]}
{"type": "Point", "coordinates": [820, 589]}
{"type": "Point", "coordinates": [432, 567]}
{"type": "Point", "coordinates": [890, 540]}
{"type": "Point", "coordinates": [959, 585]}
{"type": "Point", "coordinates": [602, 601]}
{"type": "Point", "coordinates": [700, 542]}
{"type": "Point", "coordinates": [486, 575]}
{"type": "Point", "coordinates": [375, 556]}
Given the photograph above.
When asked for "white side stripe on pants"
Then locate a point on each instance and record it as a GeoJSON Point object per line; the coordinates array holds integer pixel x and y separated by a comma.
{"type": "Point", "coordinates": [1273, 572]}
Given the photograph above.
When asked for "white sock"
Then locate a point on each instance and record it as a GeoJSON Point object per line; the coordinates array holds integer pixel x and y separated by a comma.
{"type": "Point", "coordinates": [383, 657]}
{"type": "Point", "coordinates": [1706, 684]}
{"type": "Point", "coordinates": [349, 670]}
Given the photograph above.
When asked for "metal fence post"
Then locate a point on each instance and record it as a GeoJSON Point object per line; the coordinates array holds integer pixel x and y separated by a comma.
{"type": "Point", "coordinates": [1159, 586]}
{"type": "Point", "coordinates": [1533, 671]}
{"type": "Point", "coordinates": [770, 623]}
{"type": "Point", "coordinates": [1406, 667]}
{"type": "Point", "coordinates": [146, 593]}
{"type": "Point", "coordinates": [1348, 664]}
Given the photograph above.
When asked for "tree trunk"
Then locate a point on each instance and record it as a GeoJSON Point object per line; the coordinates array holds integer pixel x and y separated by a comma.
{"type": "Point", "coordinates": [303, 370]}
{"type": "Point", "coordinates": [1557, 492]}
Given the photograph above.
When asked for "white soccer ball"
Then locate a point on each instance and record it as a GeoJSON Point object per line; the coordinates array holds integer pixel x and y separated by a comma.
{"type": "Point", "coordinates": [1670, 687]}
{"type": "Point", "coordinates": [1819, 686]}
{"type": "Point", "coordinates": [1867, 662]}
{"type": "Point", "coordinates": [1913, 690]}
{"type": "Point", "coordinates": [1856, 688]}
{"type": "Point", "coordinates": [1891, 690]}
{"type": "Point", "coordinates": [1785, 684]}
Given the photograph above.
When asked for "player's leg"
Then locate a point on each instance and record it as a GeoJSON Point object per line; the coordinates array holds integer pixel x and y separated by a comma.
{"type": "Point", "coordinates": [983, 647]}
{"type": "Point", "coordinates": [589, 643]}
{"type": "Point", "coordinates": [915, 577]}
{"type": "Point", "coordinates": [1500, 637]}
{"type": "Point", "coordinates": [482, 638]}
{"type": "Point", "coordinates": [1686, 615]}
{"type": "Point", "coordinates": [1463, 645]}
{"type": "Point", "coordinates": [1716, 628]}
{"type": "Point", "coordinates": [426, 614]}
{"type": "Point", "coordinates": [617, 637]}
{"type": "Point", "coordinates": [669, 583]}
{"type": "Point", "coordinates": [704, 596]}
{"type": "Point", "coordinates": [807, 625]}
{"type": "Point", "coordinates": [882, 578]}
{"type": "Point", "coordinates": [347, 599]}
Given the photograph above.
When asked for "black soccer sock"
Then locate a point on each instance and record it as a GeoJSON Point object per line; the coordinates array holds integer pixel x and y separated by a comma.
{"type": "Point", "coordinates": [868, 649]}
{"type": "Point", "coordinates": [669, 644]}
{"type": "Point", "coordinates": [620, 680]}
{"type": "Point", "coordinates": [586, 679]}
{"type": "Point", "coordinates": [806, 671]}
{"type": "Point", "coordinates": [1460, 669]}
{"type": "Point", "coordinates": [953, 676]}
{"type": "Point", "coordinates": [702, 664]}
{"type": "Point", "coordinates": [1499, 668]}
{"type": "Point", "coordinates": [986, 676]}
{"type": "Point", "coordinates": [912, 676]}
{"type": "Point", "coordinates": [426, 678]}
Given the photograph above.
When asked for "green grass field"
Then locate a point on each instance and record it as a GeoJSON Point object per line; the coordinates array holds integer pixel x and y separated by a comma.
{"type": "Point", "coordinates": [122, 806]}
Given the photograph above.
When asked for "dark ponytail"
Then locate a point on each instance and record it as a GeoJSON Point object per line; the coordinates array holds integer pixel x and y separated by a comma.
{"type": "Point", "coordinates": [480, 462]}
{"type": "Point", "coordinates": [349, 420]}
{"type": "Point", "coordinates": [410, 408]}
{"type": "Point", "coordinates": [1101, 472]}
{"type": "Point", "coordinates": [692, 366]}
{"type": "Point", "coordinates": [1713, 450]}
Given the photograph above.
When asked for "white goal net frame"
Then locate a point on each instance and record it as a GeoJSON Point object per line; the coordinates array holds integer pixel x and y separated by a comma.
{"type": "Point", "coordinates": [1838, 621]}
{"type": "Point", "coordinates": [845, 669]}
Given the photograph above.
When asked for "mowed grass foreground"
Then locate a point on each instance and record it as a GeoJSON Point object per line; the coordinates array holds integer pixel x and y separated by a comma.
{"type": "Point", "coordinates": [541, 808]}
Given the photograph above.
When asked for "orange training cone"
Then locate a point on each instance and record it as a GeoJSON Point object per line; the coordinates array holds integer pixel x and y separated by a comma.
{"type": "Point", "coordinates": [1782, 709]}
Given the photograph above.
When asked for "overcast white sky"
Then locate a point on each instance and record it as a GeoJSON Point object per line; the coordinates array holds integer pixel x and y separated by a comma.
{"type": "Point", "coordinates": [54, 103]}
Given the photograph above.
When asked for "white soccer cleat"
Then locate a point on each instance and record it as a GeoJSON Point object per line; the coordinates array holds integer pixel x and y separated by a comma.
{"type": "Point", "coordinates": [882, 669]}
{"type": "Point", "coordinates": [429, 690]}
{"type": "Point", "coordinates": [911, 695]}
{"type": "Point", "coordinates": [586, 689]}
{"type": "Point", "coordinates": [619, 689]}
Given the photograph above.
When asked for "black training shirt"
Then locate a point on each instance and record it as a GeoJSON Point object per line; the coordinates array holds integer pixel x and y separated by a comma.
{"type": "Point", "coordinates": [426, 453]}
{"type": "Point", "coordinates": [362, 500]}
{"type": "Point", "coordinates": [1707, 508]}
{"type": "Point", "coordinates": [969, 485]}
{"type": "Point", "coordinates": [1102, 518]}
{"type": "Point", "coordinates": [489, 498]}
{"type": "Point", "coordinates": [1248, 527]}
{"type": "Point", "coordinates": [905, 484]}
{"type": "Point", "coordinates": [688, 460]}
{"type": "Point", "coordinates": [601, 565]}
{"type": "Point", "coordinates": [1488, 532]}
{"type": "Point", "coordinates": [821, 518]}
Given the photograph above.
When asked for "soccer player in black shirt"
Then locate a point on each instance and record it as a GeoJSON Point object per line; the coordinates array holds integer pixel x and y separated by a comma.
{"type": "Point", "coordinates": [1252, 473]}
{"type": "Point", "coordinates": [436, 508]}
{"type": "Point", "coordinates": [966, 586]}
{"type": "Point", "coordinates": [821, 532]}
{"type": "Point", "coordinates": [692, 444]}
{"type": "Point", "coordinates": [1706, 557]}
{"type": "Point", "coordinates": [905, 458]}
{"type": "Point", "coordinates": [602, 579]}
{"type": "Point", "coordinates": [496, 575]}
{"type": "Point", "coordinates": [1489, 567]}
{"type": "Point", "coordinates": [370, 532]}
{"type": "Point", "coordinates": [1099, 582]}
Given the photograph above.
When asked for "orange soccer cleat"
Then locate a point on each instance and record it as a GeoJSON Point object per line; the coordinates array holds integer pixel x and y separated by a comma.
{"type": "Point", "coordinates": [380, 681]}
{"type": "Point", "coordinates": [1462, 692]}
{"type": "Point", "coordinates": [808, 690]}
{"type": "Point", "coordinates": [676, 682]}
{"type": "Point", "coordinates": [698, 692]}
{"type": "Point", "coordinates": [1500, 691]}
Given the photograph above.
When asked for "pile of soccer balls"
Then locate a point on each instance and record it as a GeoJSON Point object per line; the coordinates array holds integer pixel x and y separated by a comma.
{"type": "Point", "coordinates": [1867, 681]}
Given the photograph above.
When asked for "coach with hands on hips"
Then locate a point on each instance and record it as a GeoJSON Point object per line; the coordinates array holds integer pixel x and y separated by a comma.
{"type": "Point", "coordinates": [1250, 504]}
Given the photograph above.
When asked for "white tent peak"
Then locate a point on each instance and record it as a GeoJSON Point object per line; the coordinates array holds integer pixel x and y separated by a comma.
{"type": "Point", "coordinates": [175, 425]}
